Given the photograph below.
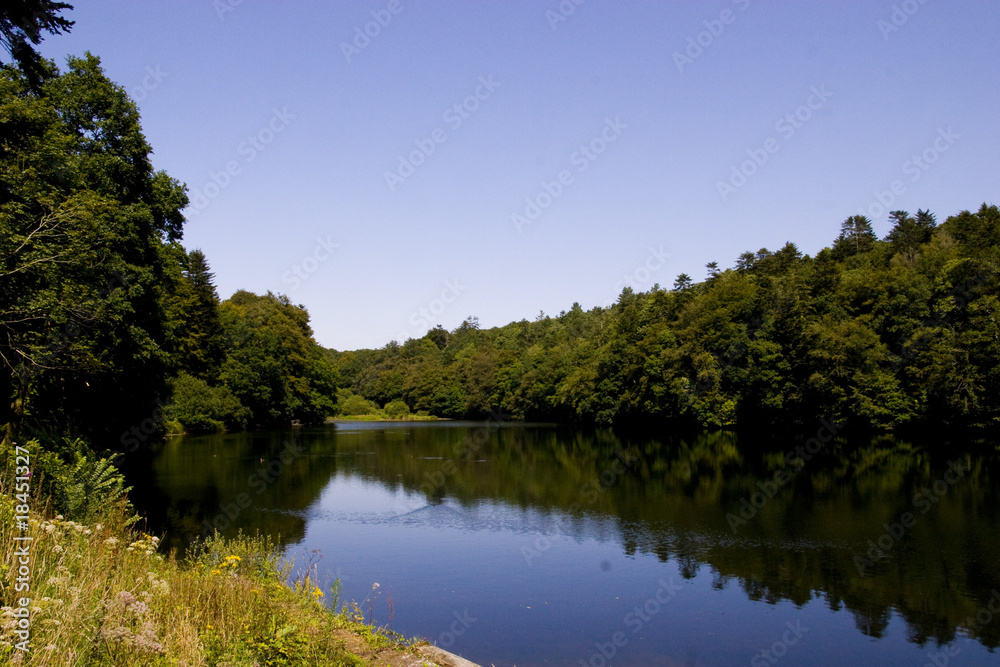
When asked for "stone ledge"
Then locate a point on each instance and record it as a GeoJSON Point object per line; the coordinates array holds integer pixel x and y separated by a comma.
{"type": "Point", "coordinates": [444, 658]}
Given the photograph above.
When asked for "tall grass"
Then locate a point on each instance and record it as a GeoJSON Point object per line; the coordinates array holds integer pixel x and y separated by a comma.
{"type": "Point", "coordinates": [102, 594]}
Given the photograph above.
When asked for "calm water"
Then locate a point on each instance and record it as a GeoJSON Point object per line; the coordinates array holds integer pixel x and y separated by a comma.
{"type": "Point", "coordinates": [540, 545]}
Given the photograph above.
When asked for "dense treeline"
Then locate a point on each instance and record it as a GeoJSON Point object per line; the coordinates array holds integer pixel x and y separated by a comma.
{"type": "Point", "coordinates": [878, 333]}
{"type": "Point", "coordinates": [109, 328]}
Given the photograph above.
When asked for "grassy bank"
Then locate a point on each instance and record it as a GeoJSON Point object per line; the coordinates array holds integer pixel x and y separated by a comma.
{"type": "Point", "coordinates": [384, 418]}
{"type": "Point", "coordinates": [103, 594]}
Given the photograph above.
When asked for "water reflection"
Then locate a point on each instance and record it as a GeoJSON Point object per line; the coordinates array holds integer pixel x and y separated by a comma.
{"type": "Point", "coordinates": [878, 528]}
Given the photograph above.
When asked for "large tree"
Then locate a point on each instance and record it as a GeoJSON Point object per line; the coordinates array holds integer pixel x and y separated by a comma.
{"type": "Point", "coordinates": [273, 365]}
{"type": "Point", "coordinates": [85, 223]}
{"type": "Point", "coordinates": [22, 23]}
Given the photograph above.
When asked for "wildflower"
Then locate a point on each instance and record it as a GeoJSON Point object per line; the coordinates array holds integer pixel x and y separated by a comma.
{"type": "Point", "coordinates": [99, 526]}
{"type": "Point", "coordinates": [111, 541]}
{"type": "Point", "coordinates": [58, 549]}
{"type": "Point", "coordinates": [59, 517]}
{"type": "Point", "coordinates": [317, 593]}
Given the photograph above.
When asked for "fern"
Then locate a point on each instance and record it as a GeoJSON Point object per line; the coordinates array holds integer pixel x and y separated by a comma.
{"type": "Point", "coordinates": [91, 487]}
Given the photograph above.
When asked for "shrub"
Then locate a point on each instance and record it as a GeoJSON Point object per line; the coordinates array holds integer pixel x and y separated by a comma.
{"type": "Point", "coordinates": [397, 409]}
{"type": "Point", "coordinates": [357, 405]}
{"type": "Point", "coordinates": [202, 408]}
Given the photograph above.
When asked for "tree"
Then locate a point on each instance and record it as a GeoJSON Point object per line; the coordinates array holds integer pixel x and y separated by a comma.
{"type": "Point", "coordinates": [683, 282]}
{"type": "Point", "coordinates": [193, 311]}
{"type": "Point", "coordinates": [909, 233]}
{"type": "Point", "coordinates": [745, 261]}
{"type": "Point", "coordinates": [713, 270]}
{"type": "Point", "coordinates": [22, 23]}
{"type": "Point", "coordinates": [273, 365]}
{"type": "Point", "coordinates": [438, 335]}
{"type": "Point", "coordinates": [85, 224]}
{"type": "Point", "coordinates": [201, 408]}
{"type": "Point", "coordinates": [397, 409]}
{"type": "Point", "coordinates": [856, 236]}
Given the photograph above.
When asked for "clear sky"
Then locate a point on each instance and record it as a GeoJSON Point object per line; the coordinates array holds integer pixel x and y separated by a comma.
{"type": "Point", "coordinates": [634, 140]}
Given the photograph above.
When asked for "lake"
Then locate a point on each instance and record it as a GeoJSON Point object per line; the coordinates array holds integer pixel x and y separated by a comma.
{"type": "Point", "coordinates": [532, 544]}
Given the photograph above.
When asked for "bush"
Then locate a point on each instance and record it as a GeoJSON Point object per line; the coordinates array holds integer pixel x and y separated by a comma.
{"type": "Point", "coordinates": [81, 485]}
{"type": "Point", "coordinates": [397, 409]}
{"type": "Point", "coordinates": [352, 404]}
{"type": "Point", "coordinates": [201, 408]}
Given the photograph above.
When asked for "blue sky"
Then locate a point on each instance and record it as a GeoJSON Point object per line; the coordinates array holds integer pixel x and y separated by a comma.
{"type": "Point", "coordinates": [500, 159]}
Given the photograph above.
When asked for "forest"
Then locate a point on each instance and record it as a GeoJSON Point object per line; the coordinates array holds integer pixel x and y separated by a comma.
{"type": "Point", "coordinates": [113, 332]}
{"type": "Point", "coordinates": [876, 333]}
{"type": "Point", "coordinates": [665, 415]}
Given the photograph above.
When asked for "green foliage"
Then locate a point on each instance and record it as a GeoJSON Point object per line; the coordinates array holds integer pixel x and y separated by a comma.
{"type": "Point", "coordinates": [882, 334]}
{"type": "Point", "coordinates": [273, 365]}
{"type": "Point", "coordinates": [193, 316]}
{"type": "Point", "coordinates": [82, 486]}
{"type": "Point", "coordinates": [397, 409]}
{"type": "Point", "coordinates": [201, 408]}
{"type": "Point", "coordinates": [85, 224]}
{"type": "Point", "coordinates": [352, 404]}
{"type": "Point", "coordinates": [22, 23]}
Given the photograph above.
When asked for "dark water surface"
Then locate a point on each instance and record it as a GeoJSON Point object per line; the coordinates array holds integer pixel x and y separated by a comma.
{"type": "Point", "coordinates": [531, 545]}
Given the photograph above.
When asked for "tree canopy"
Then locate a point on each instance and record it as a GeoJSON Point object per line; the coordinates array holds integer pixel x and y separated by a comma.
{"type": "Point", "coordinates": [886, 333]}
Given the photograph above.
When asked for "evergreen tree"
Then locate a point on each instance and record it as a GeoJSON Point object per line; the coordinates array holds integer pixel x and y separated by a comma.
{"type": "Point", "coordinates": [856, 236]}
